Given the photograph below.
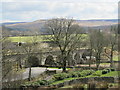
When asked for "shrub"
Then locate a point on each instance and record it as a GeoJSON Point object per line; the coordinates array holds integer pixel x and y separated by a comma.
{"type": "Point", "coordinates": [43, 82]}
{"type": "Point", "coordinates": [60, 76]}
{"type": "Point", "coordinates": [26, 84]}
{"type": "Point", "coordinates": [110, 69]}
{"type": "Point", "coordinates": [104, 71]}
{"type": "Point", "coordinates": [73, 74]}
{"type": "Point", "coordinates": [35, 84]}
{"type": "Point", "coordinates": [86, 72]}
{"type": "Point", "coordinates": [79, 74]}
{"type": "Point", "coordinates": [97, 74]}
{"type": "Point", "coordinates": [51, 81]}
{"type": "Point", "coordinates": [107, 70]}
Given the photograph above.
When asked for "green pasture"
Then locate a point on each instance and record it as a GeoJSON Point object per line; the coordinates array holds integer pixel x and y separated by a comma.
{"type": "Point", "coordinates": [29, 38]}
{"type": "Point", "coordinates": [36, 38]}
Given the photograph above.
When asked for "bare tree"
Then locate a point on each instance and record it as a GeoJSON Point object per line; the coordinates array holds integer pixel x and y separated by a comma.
{"type": "Point", "coordinates": [111, 38]}
{"type": "Point", "coordinates": [29, 51]}
{"type": "Point", "coordinates": [97, 44]}
{"type": "Point", "coordinates": [30, 48]}
{"type": "Point", "coordinates": [65, 34]}
{"type": "Point", "coordinates": [8, 64]}
{"type": "Point", "coordinates": [5, 49]}
{"type": "Point", "coordinates": [91, 46]}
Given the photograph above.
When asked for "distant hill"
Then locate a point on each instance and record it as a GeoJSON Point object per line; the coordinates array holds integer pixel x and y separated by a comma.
{"type": "Point", "coordinates": [93, 20]}
{"type": "Point", "coordinates": [26, 26]}
{"type": "Point", "coordinates": [38, 24]}
{"type": "Point", "coordinates": [95, 23]}
{"type": "Point", "coordinates": [9, 23]}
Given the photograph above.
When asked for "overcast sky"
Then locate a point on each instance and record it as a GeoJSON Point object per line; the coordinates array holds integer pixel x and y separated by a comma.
{"type": "Point", "coordinates": [31, 10]}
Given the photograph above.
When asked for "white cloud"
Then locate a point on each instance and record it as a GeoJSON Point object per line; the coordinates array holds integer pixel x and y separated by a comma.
{"type": "Point", "coordinates": [61, 0]}
{"type": "Point", "coordinates": [30, 11]}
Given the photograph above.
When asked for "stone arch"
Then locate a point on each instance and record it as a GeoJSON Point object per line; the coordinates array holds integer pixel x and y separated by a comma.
{"type": "Point", "coordinates": [86, 56]}
{"type": "Point", "coordinates": [50, 60]}
{"type": "Point", "coordinates": [70, 61]}
{"type": "Point", "coordinates": [59, 60]}
{"type": "Point", "coordinates": [77, 57]}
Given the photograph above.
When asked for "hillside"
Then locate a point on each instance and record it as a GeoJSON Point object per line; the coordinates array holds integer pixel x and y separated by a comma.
{"type": "Point", "coordinates": [38, 25]}
{"type": "Point", "coordinates": [27, 26]}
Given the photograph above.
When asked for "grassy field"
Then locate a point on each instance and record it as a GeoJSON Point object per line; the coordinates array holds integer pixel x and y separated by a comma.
{"type": "Point", "coordinates": [28, 38]}
{"type": "Point", "coordinates": [36, 38]}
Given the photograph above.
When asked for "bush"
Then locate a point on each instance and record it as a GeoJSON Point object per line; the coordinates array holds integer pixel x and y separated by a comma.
{"type": "Point", "coordinates": [60, 76]}
{"type": "Point", "coordinates": [110, 69]}
{"type": "Point", "coordinates": [37, 83]}
{"type": "Point", "coordinates": [43, 82]}
{"type": "Point", "coordinates": [80, 73]}
{"type": "Point", "coordinates": [87, 72]}
{"type": "Point", "coordinates": [104, 71]}
{"type": "Point", "coordinates": [73, 74]}
{"type": "Point", "coordinates": [97, 74]}
{"type": "Point", "coordinates": [26, 84]}
{"type": "Point", "coordinates": [107, 70]}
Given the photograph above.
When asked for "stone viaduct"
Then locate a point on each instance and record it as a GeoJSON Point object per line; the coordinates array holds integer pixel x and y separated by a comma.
{"type": "Point", "coordinates": [76, 57]}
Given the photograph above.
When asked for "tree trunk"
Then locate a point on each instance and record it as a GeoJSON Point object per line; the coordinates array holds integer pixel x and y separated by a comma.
{"type": "Point", "coordinates": [17, 66]}
{"type": "Point", "coordinates": [97, 65]}
{"type": "Point", "coordinates": [111, 58]}
{"type": "Point", "coordinates": [20, 64]}
{"type": "Point", "coordinates": [97, 61]}
{"type": "Point", "coordinates": [90, 59]}
{"type": "Point", "coordinates": [63, 54]}
{"type": "Point", "coordinates": [64, 65]}
{"type": "Point", "coordinates": [29, 77]}
{"type": "Point", "coordinates": [90, 62]}
{"type": "Point", "coordinates": [64, 69]}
